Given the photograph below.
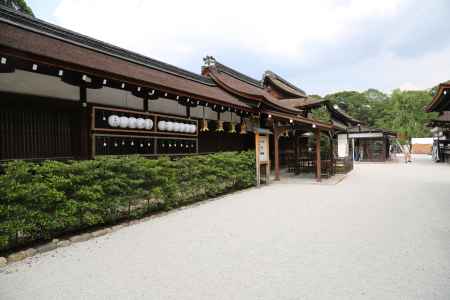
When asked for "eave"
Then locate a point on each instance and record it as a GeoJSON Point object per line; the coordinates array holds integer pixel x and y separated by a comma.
{"type": "Point", "coordinates": [441, 101]}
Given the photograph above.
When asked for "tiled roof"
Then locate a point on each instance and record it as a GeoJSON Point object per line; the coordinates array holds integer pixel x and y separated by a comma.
{"type": "Point", "coordinates": [240, 85]}
{"type": "Point", "coordinates": [283, 84]}
{"type": "Point", "coordinates": [30, 37]}
{"type": "Point", "coordinates": [365, 129]}
{"type": "Point", "coordinates": [303, 103]}
{"type": "Point", "coordinates": [25, 21]}
{"type": "Point", "coordinates": [441, 101]}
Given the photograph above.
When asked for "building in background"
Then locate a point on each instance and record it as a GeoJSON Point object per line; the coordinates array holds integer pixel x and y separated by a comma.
{"type": "Point", "coordinates": [421, 145]}
{"type": "Point", "coordinates": [440, 126]}
{"type": "Point", "coordinates": [371, 144]}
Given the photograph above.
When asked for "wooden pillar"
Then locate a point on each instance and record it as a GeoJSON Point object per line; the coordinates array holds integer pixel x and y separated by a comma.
{"type": "Point", "coordinates": [318, 159]}
{"type": "Point", "coordinates": [296, 153]}
{"type": "Point", "coordinates": [258, 171]}
{"type": "Point", "coordinates": [84, 127]}
{"type": "Point", "coordinates": [276, 137]}
{"type": "Point", "coordinates": [188, 111]}
{"type": "Point", "coordinates": [145, 101]}
{"type": "Point", "coordinates": [330, 135]}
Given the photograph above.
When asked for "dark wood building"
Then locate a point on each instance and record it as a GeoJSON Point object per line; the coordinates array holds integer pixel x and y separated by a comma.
{"type": "Point", "coordinates": [67, 96]}
{"type": "Point", "coordinates": [440, 126]}
{"type": "Point", "coordinates": [371, 144]}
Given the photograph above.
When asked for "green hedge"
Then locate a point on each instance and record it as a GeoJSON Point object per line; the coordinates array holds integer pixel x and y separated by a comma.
{"type": "Point", "coordinates": [44, 200]}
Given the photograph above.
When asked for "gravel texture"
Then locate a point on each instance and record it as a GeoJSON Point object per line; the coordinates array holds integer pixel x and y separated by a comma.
{"type": "Point", "coordinates": [382, 233]}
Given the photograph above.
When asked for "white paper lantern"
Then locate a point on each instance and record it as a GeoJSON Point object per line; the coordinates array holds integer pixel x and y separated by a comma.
{"type": "Point", "coordinates": [140, 123]}
{"type": "Point", "coordinates": [183, 127]}
{"type": "Point", "coordinates": [169, 126]}
{"type": "Point", "coordinates": [194, 128]}
{"type": "Point", "coordinates": [114, 121]}
{"type": "Point", "coordinates": [148, 124]}
{"type": "Point", "coordinates": [176, 126]}
{"type": "Point", "coordinates": [162, 125]}
{"type": "Point", "coordinates": [132, 122]}
{"type": "Point", "coordinates": [123, 122]}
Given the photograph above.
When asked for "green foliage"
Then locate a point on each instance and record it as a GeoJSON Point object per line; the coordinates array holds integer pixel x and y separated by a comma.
{"type": "Point", "coordinates": [44, 200]}
{"type": "Point", "coordinates": [25, 8]}
{"type": "Point", "coordinates": [401, 112]}
{"type": "Point", "coordinates": [22, 6]}
{"type": "Point", "coordinates": [405, 113]}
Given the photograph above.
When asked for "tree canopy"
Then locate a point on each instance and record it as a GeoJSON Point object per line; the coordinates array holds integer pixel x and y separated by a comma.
{"type": "Point", "coordinates": [401, 112]}
{"type": "Point", "coordinates": [24, 7]}
{"type": "Point", "coordinates": [20, 4]}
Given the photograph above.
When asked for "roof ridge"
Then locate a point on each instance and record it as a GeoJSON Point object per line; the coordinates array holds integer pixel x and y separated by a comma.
{"type": "Point", "coordinates": [232, 72]}
{"type": "Point", "coordinates": [19, 19]}
{"type": "Point", "coordinates": [291, 85]}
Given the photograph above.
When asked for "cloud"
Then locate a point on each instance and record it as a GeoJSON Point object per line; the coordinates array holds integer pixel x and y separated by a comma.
{"type": "Point", "coordinates": [315, 44]}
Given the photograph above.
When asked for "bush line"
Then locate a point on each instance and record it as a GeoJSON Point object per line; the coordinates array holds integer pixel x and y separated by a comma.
{"type": "Point", "coordinates": [41, 201]}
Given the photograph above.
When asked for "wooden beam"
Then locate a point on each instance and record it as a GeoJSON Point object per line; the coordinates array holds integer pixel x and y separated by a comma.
{"type": "Point", "coordinates": [318, 159]}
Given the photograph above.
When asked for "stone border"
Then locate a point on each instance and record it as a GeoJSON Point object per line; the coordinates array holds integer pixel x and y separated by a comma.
{"type": "Point", "coordinates": [82, 237]}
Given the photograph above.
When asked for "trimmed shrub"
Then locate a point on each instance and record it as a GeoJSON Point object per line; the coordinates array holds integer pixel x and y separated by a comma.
{"type": "Point", "coordinates": [41, 201]}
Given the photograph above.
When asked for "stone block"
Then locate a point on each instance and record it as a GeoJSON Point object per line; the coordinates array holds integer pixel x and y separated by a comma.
{"type": "Point", "coordinates": [100, 232]}
{"type": "Point", "coordinates": [46, 247]}
{"type": "Point", "coordinates": [3, 262]}
{"type": "Point", "coordinates": [16, 257]}
{"type": "Point", "coordinates": [30, 252]}
{"type": "Point", "coordinates": [64, 243]}
{"type": "Point", "coordinates": [81, 238]}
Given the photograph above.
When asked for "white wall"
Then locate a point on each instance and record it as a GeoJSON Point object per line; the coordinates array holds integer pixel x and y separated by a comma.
{"type": "Point", "coordinates": [342, 145]}
{"type": "Point", "coordinates": [30, 83]}
{"type": "Point", "coordinates": [114, 97]}
{"type": "Point", "coordinates": [422, 141]}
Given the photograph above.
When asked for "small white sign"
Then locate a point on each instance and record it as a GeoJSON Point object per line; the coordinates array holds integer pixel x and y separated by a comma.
{"type": "Point", "coordinates": [263, 149]}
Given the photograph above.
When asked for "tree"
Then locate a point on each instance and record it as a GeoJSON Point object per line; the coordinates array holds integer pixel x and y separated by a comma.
{"type": "Point", "coordinates": [401, 112]}
{"type": "Point", "coordinates": [405, 114]}
{"type": "Point", "coordinates": [20, 5]}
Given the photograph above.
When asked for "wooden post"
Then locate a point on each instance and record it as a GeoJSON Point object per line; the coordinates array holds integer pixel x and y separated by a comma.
{"type": "Point", "coordinates": [258, 171]}
{"type": "Point", "coordinates": [84, 126]}
{"type": "Point", "coordinates": [318, 159]}
{"type": "Point", "coordinates": [276, 137]}
{"type": "Point", "coordinates": [296, 153]}
{"type": "Point", "coordinates": [332, 154]}
{"type": "Point", "coordinates": [145, 101]}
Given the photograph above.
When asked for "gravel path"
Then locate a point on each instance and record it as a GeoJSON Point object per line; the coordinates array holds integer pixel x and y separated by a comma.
{"type": "Point", "coordinates": [382, 233]}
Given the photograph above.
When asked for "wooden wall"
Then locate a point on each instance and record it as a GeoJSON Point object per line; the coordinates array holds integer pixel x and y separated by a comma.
{"type": "Point", "coordinates": [35, 127]}
{"type": "Point", "coordinates": [38, 128]}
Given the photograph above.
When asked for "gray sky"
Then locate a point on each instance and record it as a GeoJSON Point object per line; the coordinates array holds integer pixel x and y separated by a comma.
{"type": "Point", "coordinates": [322, 46]}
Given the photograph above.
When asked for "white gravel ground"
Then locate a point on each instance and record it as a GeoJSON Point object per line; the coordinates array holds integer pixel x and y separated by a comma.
{"type": "Point", "coordinates": [382, 233]}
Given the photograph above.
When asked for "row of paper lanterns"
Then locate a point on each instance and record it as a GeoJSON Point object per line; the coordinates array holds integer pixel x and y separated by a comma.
{"type": "Point", "coordinates": [130, 122]}
{"type": "Point", "coordinates": [176, 127]}
{"type": "Point", "coordinates": [140, 123]}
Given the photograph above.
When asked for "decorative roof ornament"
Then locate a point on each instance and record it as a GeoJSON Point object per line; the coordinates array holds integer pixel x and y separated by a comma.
{"type": "Point", "coordinates": [243, 129]}
{"type": "Point", "coordinates": [232, 128]}
{"type": "Point", "coordinates": [219, 126]}
{"type": "Point", "coordinates": [204, 125]}
{"type": "Point", "coordinates": [209, 61]}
